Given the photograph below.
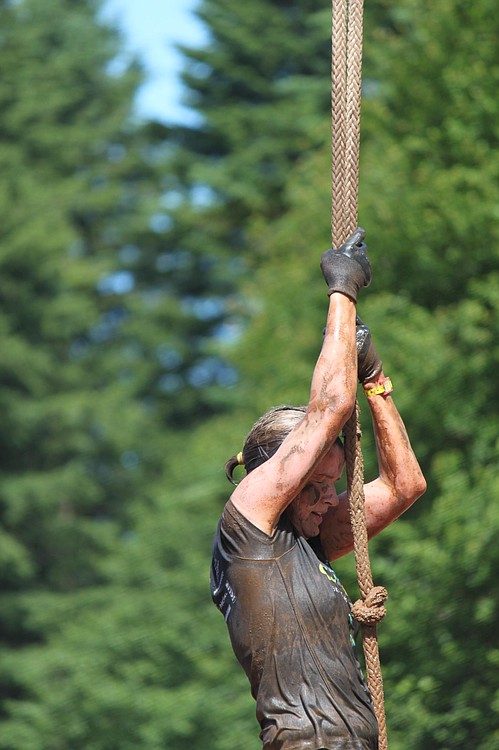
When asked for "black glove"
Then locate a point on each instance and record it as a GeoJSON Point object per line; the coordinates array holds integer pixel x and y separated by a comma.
{"type": "Point", "coordinates": [347, 269]}
{"type": "Point", "coordinates": [369, 363]}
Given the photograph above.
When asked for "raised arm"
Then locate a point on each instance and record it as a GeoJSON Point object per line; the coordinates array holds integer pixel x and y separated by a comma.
{"type": "Point", "coordinates": [400, 481]}
{"type": "Point", "coordinates": [267, 490]}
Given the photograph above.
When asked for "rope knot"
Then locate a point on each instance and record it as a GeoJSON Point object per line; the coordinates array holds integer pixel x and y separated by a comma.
{"type": "Point", "coordinates": [371, 610]}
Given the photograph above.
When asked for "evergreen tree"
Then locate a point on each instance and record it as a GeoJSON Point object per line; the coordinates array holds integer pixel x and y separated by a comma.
{"type": "Point", "coordinates": [136, 655]}
{"type": "Point", "coordinates": [432, 303]}
{"type": "Point", "coordinates": [261, 87]}
{"type": "Point", "coordinates": [77, 444]}
{"type": "Point", "coordinates": [99, 314]}
{"type": "Point", "coordinates": [430, 113]}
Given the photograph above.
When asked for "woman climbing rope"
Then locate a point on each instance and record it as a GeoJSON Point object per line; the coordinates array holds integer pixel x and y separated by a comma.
{"type": "Point", "coordinates": [288, 616]}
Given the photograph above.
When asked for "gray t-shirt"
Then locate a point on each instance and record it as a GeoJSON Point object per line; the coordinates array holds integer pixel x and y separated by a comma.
{"type": "Point", "coordinates": [290, 626]}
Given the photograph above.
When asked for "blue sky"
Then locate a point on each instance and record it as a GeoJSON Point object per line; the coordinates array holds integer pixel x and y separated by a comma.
{"type": "Point", "coordinates": [151, 29]}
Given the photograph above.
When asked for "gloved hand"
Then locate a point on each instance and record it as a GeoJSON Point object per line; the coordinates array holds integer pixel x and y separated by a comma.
{"type": "Point", "coordinates": [347, 268]}
{"type": "Point", "coordinates": [369, 363]}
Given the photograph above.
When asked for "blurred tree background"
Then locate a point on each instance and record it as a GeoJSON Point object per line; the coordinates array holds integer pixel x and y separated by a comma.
{"type": "Point", "coordinates": [159, 289]}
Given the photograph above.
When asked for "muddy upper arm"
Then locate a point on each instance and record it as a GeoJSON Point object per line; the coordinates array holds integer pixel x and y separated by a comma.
{"type": "Point", "coordinates": [382, 507]}
{"type": "Point", "coordinates": [265, 493]}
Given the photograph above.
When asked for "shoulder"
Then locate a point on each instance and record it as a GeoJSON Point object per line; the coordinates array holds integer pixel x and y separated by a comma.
{"type": "Point", "coordinates": [240, 538]}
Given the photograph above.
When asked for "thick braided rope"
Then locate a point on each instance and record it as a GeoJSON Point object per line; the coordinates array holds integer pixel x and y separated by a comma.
{"type": "Point", "coordinates": [346, 77]}
{"type": "Point", "coordinates": [346, 82]}
{"type": "Point", "coordinates": [353, 97]}
{"type": "Point", "coordinates": [339, 230]}
{"type": "Point", "coordinates": [370, 609]}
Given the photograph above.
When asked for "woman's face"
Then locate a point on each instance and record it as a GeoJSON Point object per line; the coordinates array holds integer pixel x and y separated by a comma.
{"type": "Point", "coordinates": [308, 508]}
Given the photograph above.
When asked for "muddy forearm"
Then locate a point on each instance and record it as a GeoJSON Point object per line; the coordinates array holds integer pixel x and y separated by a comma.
{"type": "Point", "coordinates": [398, 465]}
{"type": "Point", "coordinates": [334, 379]}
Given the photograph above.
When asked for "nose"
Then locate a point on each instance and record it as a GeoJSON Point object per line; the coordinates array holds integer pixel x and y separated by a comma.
{"type": "Point", "coordinates": [329, 495]}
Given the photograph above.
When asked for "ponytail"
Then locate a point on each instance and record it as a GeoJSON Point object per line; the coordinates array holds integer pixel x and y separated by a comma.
{"type": "Point", "coordinates": [231, 464]}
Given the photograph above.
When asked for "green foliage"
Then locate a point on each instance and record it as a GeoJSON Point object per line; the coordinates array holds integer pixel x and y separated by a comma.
{"type": "Point", "coordinates": [430, 134]}
{"type": "Point", "coordinates": [262, 88]}
{"type": "Point", "coordinates": [160, 288]}
{"type": "Point", "coordinates": [74, 449]}
{"type": "Point", "coordinates": [432, 307]}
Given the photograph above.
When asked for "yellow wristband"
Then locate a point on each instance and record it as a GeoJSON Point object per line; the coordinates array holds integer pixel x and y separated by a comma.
{"type": "Point", "coordinates": [382, 389]}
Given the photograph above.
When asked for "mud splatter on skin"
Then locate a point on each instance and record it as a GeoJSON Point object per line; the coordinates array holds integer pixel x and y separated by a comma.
{"type": "Point", "coordinates": [403, 475]}
{"type": "Point", "coordinates": [312, 494]}
{"type": "Point", "coordinates": [281, 470]}
{"type": "Point", "coordinates": [400, 482]}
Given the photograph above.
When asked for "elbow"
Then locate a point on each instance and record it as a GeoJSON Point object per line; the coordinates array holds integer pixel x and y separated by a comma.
{"type": "Point", "coordinates": [419, 483]}
{"type": "Point", "coordinates": [420, 488]}
{"type": "Point", "coordinates": [411, 489]}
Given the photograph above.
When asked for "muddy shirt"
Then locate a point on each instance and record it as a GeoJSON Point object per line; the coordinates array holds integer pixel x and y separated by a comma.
{"type": "Point", "coordinates": [289, 623]}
